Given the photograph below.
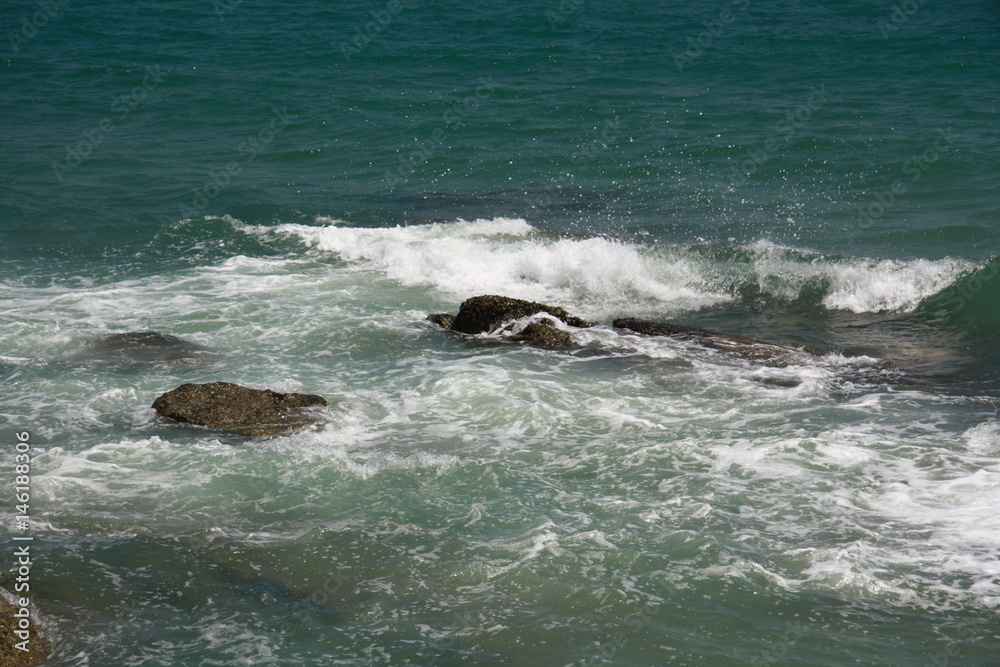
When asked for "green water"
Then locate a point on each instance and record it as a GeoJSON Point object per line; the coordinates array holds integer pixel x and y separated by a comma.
{"type": "Point", "coordinates": [297, 202]}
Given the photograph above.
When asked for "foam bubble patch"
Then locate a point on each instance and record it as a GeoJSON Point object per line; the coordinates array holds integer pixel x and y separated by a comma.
{"type": "Point", "coordinates": [509, 257]}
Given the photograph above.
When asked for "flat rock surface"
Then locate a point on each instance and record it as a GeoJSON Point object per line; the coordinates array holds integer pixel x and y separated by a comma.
{"type": "Point", "coordinates": [232, 407]}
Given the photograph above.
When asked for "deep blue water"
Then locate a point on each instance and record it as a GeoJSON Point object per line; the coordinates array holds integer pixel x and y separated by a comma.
{"type": "Point", "coordinates": [296, 186]}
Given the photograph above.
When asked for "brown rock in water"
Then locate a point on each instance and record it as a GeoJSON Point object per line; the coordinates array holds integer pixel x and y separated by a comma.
{"type": "Point", "coordinates": [131, 339]}
{"type": "Point", "coordinates": [232, 407]}
{"type": "Point", "coordinates": [145, 346]}
{"type": "Point", "coordinates": [542, 333]}
{"type": "Point", "coordinates": [749, 348]}
{"type": "Point", "coordinates": [484, 314]}
{"type": "Point", "coordinates": [10, 654]}
{"type": "Point", "coordinates": [443, 320]}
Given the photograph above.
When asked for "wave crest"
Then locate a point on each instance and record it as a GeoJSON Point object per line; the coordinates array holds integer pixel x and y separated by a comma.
{"type": "Point", "coordinates": [600, 276]}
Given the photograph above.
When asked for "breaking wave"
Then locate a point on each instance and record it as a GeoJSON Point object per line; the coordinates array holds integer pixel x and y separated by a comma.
{"type": "Point", "coordinates": [602, 276]}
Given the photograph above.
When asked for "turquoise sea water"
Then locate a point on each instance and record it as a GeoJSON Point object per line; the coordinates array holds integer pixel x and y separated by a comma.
{"type": "Point", "coordinates": [296, 186]}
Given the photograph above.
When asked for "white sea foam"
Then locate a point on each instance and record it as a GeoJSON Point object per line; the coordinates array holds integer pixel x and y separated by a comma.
{"type": "Point", "coordinates": [936, 525]}
{"type": "Point", "coordinates": [870, 286]}
{"type": "Point", "coordinates": [509, 257]}
{"type": "Point", "coordinates": [601, 275]}
{"type": "Point", "coordinates": [594, 277]}
{"type": "Point", "coordinates": [861, 285]}
{"type": "Point", "coordinates": [984, 439]}
{"type": "Point", "coordinates": [829, 486]}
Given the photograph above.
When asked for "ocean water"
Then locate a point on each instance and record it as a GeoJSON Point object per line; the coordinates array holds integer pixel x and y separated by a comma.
{"type": "Point", "coordinates": [296, 186]}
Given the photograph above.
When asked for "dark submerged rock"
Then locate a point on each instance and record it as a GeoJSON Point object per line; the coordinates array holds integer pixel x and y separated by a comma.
{"type": "Point", "coordinates": [10, 654]}
{"type": "Point", "coordinates": [484, 314]}
{"type": "Point", "coordinates": [749, 348]}
{"type": "Point", "coordinates": [232, 407]}
{"type": "Point", "coordinates": [543, 333]}
{"type": "Point", "coordinates": [784, 383]}
{"type": "Point", "coordinates": [443, 320]}
{"type": "Point", "coordinates": [145, 346]}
